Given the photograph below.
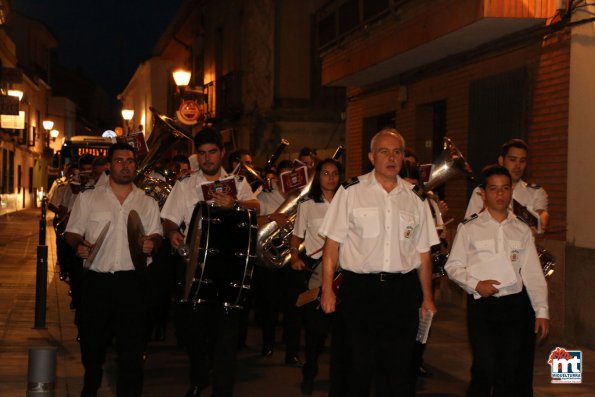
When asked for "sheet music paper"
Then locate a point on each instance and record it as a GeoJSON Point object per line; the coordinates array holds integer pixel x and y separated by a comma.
{"type": "Point", "coordinates": [425, 322]}
{"type": "Point", "coordinates": [497, 268]}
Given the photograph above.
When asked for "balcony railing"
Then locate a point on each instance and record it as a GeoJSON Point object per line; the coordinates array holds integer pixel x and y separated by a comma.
{"type": "Point", "coordinates": [339, 18]}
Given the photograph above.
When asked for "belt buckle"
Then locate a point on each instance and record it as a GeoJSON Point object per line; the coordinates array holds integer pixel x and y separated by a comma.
{"type": "Point", "coordinates": [383, 277]}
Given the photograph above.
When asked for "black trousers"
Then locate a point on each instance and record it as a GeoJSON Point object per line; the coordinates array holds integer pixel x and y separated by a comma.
{"type": "Point", "coordinates": [274, 293]}
{"type": "Point", "coordinates": [497, 327]}
{"type": "Point", "coordinates": [112, 305]}
{"type": "Point", "coordinates": [527, 353]}
{"type": "Point", "coordinates": [317, 325]}
{"type": "Point", "coordinates": [160, 282]}
{"type": "Point", "coordinates": [212, 342]}
{"type": "Point", "coordinates": [339, 364]}
{"type": "Point", "coordinates": [380, 319]}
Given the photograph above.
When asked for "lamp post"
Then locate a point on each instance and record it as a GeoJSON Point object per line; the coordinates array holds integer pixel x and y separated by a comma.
{"type": "Point", "coordinates": [127, 115]}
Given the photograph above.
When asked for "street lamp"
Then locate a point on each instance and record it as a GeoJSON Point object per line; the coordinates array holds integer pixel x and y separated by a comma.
{"type": "Point", "coordinates": [48, 125]}
{"type": "Point", "coordinates": [54, 134]}
{"type": "Point", "coordinates": [127, 115]}
{"type": "Point", "coordinates": [182, 77]}
{"type": "Point", "coordinates": [16, 93]}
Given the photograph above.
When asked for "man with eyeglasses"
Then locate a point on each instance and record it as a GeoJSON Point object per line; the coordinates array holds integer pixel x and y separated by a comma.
{"type": "Point", "coordinates": [380, 232]}
{"type": "Point", "coordinates": [112, 301]}
{"type": "Point", "coordinates": [212, 330]}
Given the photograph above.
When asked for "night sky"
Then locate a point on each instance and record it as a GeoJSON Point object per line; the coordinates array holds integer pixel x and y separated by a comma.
{"type": "Point", "coordinates": [107, 39]}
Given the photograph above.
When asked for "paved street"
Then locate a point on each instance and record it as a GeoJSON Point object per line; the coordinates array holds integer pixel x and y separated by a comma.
{"type": "Point", "coordinates": [447, 354]}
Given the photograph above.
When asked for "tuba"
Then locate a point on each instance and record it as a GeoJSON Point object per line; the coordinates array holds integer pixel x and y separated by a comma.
{"type": "Point", "coordinates": [273, 240]}
{"type": "Point", "coordinates": [449, 164]}
{"type": "Point", "coordinates": [164, 135]}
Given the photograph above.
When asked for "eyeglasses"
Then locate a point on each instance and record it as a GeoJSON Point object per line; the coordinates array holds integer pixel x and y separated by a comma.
{"type": "Point", "coordinates": [127, 161]}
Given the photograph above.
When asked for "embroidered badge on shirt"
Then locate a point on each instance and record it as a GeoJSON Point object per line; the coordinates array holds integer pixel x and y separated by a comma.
{"type": "Point", "coordinates": [514, 256]}
{"type": "Point", "coordinates": [408, 231]}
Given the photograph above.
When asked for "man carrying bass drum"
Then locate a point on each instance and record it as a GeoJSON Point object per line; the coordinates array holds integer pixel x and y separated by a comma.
{"type": "Point", "coordinates": [212, 329]}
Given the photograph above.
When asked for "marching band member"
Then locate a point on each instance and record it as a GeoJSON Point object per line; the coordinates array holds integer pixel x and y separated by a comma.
{"type": "Point", "coordinates": [73, 265]}
{"type": "Point", "coordinates": [308, 157]}
{"type": "Point", "coordinates": [310, 214]}
{"type": "Point", "coordinates": [210, 324]}
{"type": "Point", "coordinates": [100, 170]}
{"type": "Point", "coordinates": [494, 260]}
{"type": "Point", "coordinates": [54, 204]}
{"type": "Point", "coordinates": [381, 232]}
{"type": "Point", "coordinates": [271, 292]}
{"type": "Point", "coordinates": [513, 157]}
{"type": "Point", "coordinates": [112, 301]}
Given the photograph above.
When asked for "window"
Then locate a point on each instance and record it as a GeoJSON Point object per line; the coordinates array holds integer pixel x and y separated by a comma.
{"type": "Point", "coordinates": [497, 113]}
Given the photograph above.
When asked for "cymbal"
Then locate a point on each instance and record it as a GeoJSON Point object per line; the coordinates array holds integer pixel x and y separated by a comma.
{"type": "Point", "coordinates": [135, 232]}
{"type": "Point", "coordinates": [96, 246]}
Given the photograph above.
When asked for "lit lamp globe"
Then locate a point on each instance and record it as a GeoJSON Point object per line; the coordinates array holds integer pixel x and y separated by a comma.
{"type": "Point", "coordinates": [127, 114]}
{"type": "Point", "coordinates": [48, 125]}
{"type": "Point", "coordinates": [54, 134]}
{"type": "Point", "coordinates": [16, 94]}
{"type": "Point", "coordinates": [182, 77]}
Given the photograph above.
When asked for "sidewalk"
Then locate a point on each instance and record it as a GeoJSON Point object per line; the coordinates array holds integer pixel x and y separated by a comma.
{"type": "Point", "coordinates": [447, 355]}
{"type": "Point", "coordinates": [19, 236]}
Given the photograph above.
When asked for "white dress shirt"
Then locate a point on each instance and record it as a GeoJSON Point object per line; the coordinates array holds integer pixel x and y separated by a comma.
{"type": "Point", "coordinates": [187, 192]}
{"type": "Point", "coordinates": [310, 215]}
{"type": "Point", "coordinates": [479, 240]}
{"type": "Point", "coordinates": [68, 198]}
{"type": "Point", "coordinates": [270, 201]}
{"type": "Point", "coordinates": [379, 231]}
{"type": "Point", "coordinates": [58, 194]}
{"type": "Point", "coordinates": [57, 182]}
{"type": "Point", "coordinates": [95, 207]}
{"type": "Point", "coordinates": [534, 198]}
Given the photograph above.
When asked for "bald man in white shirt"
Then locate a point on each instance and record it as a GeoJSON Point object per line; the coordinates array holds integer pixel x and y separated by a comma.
{"type": "Point", "coordinates": [381, 232]}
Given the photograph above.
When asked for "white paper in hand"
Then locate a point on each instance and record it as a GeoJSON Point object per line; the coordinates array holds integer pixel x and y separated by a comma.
{"type": "Point", "coordinates": [497, 268]}
{"type": "Point", "coordinates": [425, 322]}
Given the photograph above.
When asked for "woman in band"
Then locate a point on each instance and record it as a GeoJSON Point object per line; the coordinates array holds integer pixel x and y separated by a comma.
{"type": "Point", "coordinates": [310, 213]}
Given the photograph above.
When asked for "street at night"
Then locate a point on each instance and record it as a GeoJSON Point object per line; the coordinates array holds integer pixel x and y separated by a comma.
{"type": "Point", "coordinates": [273, 198]}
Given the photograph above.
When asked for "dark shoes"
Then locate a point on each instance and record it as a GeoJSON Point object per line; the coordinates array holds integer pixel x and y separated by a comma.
{"type": "Point", "coordinates": [294, 361]}
{"type": "Point", "coordinates": [307, 386]}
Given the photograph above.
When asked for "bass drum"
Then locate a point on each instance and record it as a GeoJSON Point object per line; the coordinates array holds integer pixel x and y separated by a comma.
{"type": "Point", "coordinates": [222, 252]}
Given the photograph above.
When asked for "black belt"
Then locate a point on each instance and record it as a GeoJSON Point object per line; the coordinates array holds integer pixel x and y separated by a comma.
{"type": "Point", "coordinates": [382, 276]}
